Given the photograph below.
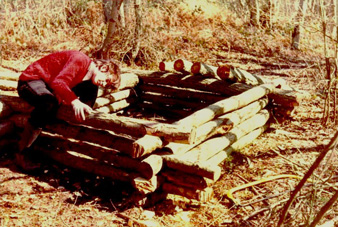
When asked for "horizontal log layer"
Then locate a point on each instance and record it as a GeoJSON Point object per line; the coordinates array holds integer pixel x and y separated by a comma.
{"type": "Point", "coordinates": [182, 93]}
{"type": "Point", "coordinates": [224, 123]}
{"type": "Point", "coordinates": [285, 97]}
{"type": "Point", "coordinates": [113, 97]}
{"type": "Point", "coordinates": [147, 167]}
{"type": "Point", "coordinates": [221, 107]}
{"type": "Point", "coordinates": [199, 195]}
{"type": "Point", "coordinates": [87, 165]}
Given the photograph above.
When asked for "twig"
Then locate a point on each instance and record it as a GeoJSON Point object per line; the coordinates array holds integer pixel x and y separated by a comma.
{"type": "Point", "coordinates": [314, 166]}
{"type": "Point", "coordinates": [324, 209]}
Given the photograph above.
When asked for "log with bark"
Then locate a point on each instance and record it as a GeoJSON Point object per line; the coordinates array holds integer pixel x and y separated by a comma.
{"type": "Point", "coordinates": [204, 195]}
{"type": "Point", "coordinates": [147, 167]}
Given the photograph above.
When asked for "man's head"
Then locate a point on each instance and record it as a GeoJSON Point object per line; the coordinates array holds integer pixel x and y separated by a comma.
{"type": "Point", "coordinates": [106, 73]}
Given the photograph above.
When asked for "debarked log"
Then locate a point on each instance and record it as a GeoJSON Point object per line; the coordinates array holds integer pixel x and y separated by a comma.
{"type": "Point", "coordinates": [166, 66]}
{"type": "Point", "coordinates": [8, 75]}
{"type": "Point", "coordinates": [128, 80]}
{"type": "Point", "coordinates": [193, 160]}
{"type": "Point", "coordinates": [8, 85]}
{"type": "Point", "coordinates": [225, 122]}
{"type": "Point", "coordinates": [221, 107]}
{"type": "Point", "coordinates": [113, 97]}
{"type": "Point", "coordinates": [147, 167]}
{"type": "Point", "coordinates": [186, 180]}
{"type": "Point", "coordinates": [204, 195]}
{"type": "Point", "coordinates": [146, 186]}
{"type": "Point", "coordinates": [146, 145]}
{"type": "Point", "coordinates": [181, 93]}
{"type": "Point", "coordinates": [116, 106]}
{"type": "Point", "coordinates": [236, 146]}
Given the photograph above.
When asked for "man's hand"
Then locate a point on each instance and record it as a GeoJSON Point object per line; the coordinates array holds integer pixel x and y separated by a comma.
{"type": "Point", "coordinates": [80, 110]}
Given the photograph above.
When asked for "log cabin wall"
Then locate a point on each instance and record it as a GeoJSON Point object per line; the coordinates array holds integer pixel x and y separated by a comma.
{"type": "Point", "coordinates": [205, 119]}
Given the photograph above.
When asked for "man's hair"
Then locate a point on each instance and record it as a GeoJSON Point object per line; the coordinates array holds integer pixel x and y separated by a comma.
{"type": "Point", "coordinates": [111, 68]}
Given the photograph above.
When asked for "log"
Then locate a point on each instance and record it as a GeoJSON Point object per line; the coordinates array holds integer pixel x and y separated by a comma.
{"type": "Point", "coordinates": [19, 120]}
{"type": "Point", "coordinates": [225, 122]}
{"type": "Point", "coordinates": [193, 160]}
{"type": "Point", "coordinates": [146, 145]}
{"type": "Point", "coordinates": [221, 107]}
{"type": "Point", "coordinates": [113, 97]}
{"type": "Point", "coordinates": [166, 66]}
{"type": "Point", "coordinates": [15, 103]}
{"type": "Point", "coordinates": [128, 80]}
{"type": "Point", "coordinates": [5, 110]}
{"type": "Point", "coordinates": [204, 69]}
{"type": "Point", "coordinates": [146, 186]}
{"type": "Point", "coordinates": [223, 72]}
{"type": "Point", "coordinates": [147, 168]}
{"type": "Point", "coordinates": [6, 127]}
{"type": "Point", "coordinates": [8, 85]}
{"type": "Point", "coordinates": [116, 106]}
{"type": "Point", "coordinates": [182, 65]}
{"type": "Point", "coordinates": [101, 137]}
{"type": "Point", "coordinates": [69, 159]}
{"type": "Point", "coordinates": [8, 75]}
{"type": "Point", "coordinates": [204, 195]}
{"type": "Point", "coordinates": [236, 146]}
{"type": "Point", "coordinates": [163, 111]}
{"type": "Point", "coordinates": [186, 180]}
{"type": "Point", "coordinates": [218, 86]}
{"type": "Point", "coordinates": [180, 93]}
{"type": "Point", "coordinates": [173, 148]}
{"type": "Point", "coordinates": [242, 76]}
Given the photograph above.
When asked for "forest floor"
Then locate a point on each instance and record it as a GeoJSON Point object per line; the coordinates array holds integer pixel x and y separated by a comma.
{"type": "Point", "coordinates": [56, 195]}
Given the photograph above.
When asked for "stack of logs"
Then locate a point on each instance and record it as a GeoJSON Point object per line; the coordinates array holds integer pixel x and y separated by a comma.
{"type": "Point", "coordinates": [204, 120]}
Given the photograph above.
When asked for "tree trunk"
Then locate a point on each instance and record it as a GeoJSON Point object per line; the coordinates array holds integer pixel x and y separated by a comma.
{"type": "Point", "coordinates": [254, 12]}
{"type": "Point", "coordinates": [113, 26]}
{"type": "Point", "coordinates": [138, 27]}
{"type": "Point", "coordinates": [296, 34]}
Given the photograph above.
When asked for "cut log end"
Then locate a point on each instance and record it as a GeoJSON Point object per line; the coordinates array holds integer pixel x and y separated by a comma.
{"type": "Point", "coordinates": [162, 66]}
{"type": "Point", "coordinates": [179, 65]}
{"type": "Point", "coordinates": [223, 72]}
{"type": "Point", "coordinates": [196, 67]}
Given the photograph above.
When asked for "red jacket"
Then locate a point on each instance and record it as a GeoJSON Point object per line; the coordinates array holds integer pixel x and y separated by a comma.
{"type": "Point", "coordinates": [61, 71]}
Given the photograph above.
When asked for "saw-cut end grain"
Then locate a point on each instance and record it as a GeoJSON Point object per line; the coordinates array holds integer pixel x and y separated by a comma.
{"type": "Point", "coordinates": [162, 66]}
{"type": "Point", "coordinates": [196, 67]}
{"type": "Point", "coordinates": [224, 72]}
{"type": "Point", "coordinates": [179, 65]}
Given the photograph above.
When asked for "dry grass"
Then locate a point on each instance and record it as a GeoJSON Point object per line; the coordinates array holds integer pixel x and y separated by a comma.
{"type": "Point", "coordinates": [198, 31]}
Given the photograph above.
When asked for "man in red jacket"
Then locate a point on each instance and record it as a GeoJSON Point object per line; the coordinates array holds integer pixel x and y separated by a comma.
{"type": "Point", "coordinates": [66, 77]}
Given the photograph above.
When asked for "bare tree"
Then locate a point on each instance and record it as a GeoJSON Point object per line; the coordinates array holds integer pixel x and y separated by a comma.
{"type": "Point", "coordinates": [298, 24]}
{"type": "Point", "coordinates": [253, 6]}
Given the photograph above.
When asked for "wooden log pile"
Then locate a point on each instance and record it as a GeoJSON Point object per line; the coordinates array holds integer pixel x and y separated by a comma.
{"type": "Point", "coordinates": [205, 118]}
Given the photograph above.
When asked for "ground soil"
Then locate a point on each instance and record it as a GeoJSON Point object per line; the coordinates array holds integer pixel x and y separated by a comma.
{"type": "Point", "coordinates": [56, 195]}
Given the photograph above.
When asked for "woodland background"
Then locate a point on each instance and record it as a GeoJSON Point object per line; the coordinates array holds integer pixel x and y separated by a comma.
{"type": "Point", "coordinates": [295, 40]}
